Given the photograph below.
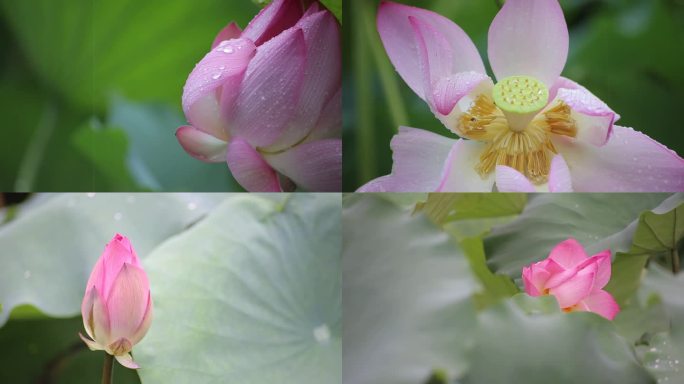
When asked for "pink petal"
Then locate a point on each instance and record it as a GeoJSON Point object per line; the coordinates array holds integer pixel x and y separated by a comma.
{"type": "Point", "coordinates": [329, 123]}
{"type": "Point", "coordinates": [315, 166]}
{"type": "Point", "coordinates": [322, 76]}
{"type": "Point", "coordinates": [117, 252]}
{"type": "Point", "coordinates": [272, 20]}
{"type": "Point", "coordinates": [272, 82]}
{"type": "Point", "coordinates": [127, 302]}
{"type": "Point", "coordinates": [127, 361]}
{"type": "Point", "coordinates": [227, 61]}
{"type": "Point", "coordinates": [401, 43]}
{"type": "Point", "coordinates": [568, 254]}
{"type": "Point", "coordinates": [576, 288]}
{"type": "Point", "coordinates": [593, 117]}
{"type": "Point", "coordinates": [602, 261]}
{"type": "Point", "coordinates": [559, 175]}
{"type": "Point", "coordinates": [459, 175]}
{"type": "Point", "coordinates": [602, 303]}
{"type": "Point", "coordinates": [231, 31]}
{"type": "Point", "coordinates": [145, 324]}
{"type": "Point", "coordinates": [250, 169]}
{"type": "Point", "coordinates": [629, 162]}
{"type": "Point", "coordinates": [529, 38]}
{"type": "Point", "coordinates": [510, 180]}
{"type": "Point", "coordinates": [200, 145]}
{"type": "Point", "coordinates": [101, 323]}
{"type": "Point", "coordinates": [449, 90]}
{"type": "Point", "coordinates": [419, 160]}
{"type": "Point", "coordinates": [92, 345]}
{"type": "Point", "coordinates": [534, 279]}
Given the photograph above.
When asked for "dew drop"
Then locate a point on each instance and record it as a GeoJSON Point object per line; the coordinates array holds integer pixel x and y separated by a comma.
{"type": "Point", "coordinates": [216, 76]}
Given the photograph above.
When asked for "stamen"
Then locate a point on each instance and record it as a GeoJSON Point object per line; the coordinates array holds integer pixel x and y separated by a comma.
{"type": "Point", "coordinates": [482, 120]}
{"type": "Point", "coordinates": [529, 151]}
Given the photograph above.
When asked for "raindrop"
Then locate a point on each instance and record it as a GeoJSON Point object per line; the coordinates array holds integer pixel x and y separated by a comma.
{"type": "Point", "coordinates": [91, 194]}
{"type": "Point", "coordinates": [216, 76]}
{"type": "Point", "coordinates": [192, 206]}
{"type": "Point", "coordinates": [228, 49]}
{"type": "Point", "coordinates": [27, 274]}
{"type": "Point", "coordinates": [322, 333]}
{"type": "Point", "coordinates": [263, 97]}
{"type": "Point", "coordinates": [118, 216]}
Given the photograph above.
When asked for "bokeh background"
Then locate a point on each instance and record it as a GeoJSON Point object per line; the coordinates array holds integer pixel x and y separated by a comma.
{"type": "Point", "coordinates": [627, 52]}
{"type": "Point", "coordinates": [91, 92]}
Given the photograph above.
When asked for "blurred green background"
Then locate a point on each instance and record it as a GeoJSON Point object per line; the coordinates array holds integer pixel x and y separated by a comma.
{"type": "Point", "coordinates": [92, 92]}
{"type": "Point", "coordinates": [627, 52]}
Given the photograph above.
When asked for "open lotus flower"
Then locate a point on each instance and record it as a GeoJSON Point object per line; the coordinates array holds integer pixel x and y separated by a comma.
{"type": "Point", "coordinates": [267, 100]}
{"type": "Point", "coordinates": [117, 306]}
{"type": "Point", "coordinates": [575, 279]}
{"type": "Point", "coordinates": [531, 131]}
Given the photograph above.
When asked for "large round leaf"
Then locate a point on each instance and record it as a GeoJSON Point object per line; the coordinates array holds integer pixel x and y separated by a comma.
{"type": "Point", "coordinates": [406, 296]}
{"type": "Point", "coordinates": [530, 341]}
{"type": "Point", "coordinates": [249, 295]}
{"type": "Point", "coordinates": [50, 249]}
{"type": "Point", "coordinates": [549, 219]}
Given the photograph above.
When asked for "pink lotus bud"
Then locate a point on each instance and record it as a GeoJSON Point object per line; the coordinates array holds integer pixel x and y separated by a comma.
{"type": "Point", "coordinates": [267, 100]}
{"type": "Point", "coordinates": [117, 306]}
{"type": "Point", "coordinates": [575, 279]}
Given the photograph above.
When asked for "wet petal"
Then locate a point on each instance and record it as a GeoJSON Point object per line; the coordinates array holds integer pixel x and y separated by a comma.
{"type": "Point", "coordinates": [315, 166]}
{"type": "Point", "coordinates": [559, 175]}
{"type": "Point", "coordinates": [419, 160]}
{"type": "Point", "coordinates": [456, 51]}
{"type": "Point", "coordinates": [459, 173]}
{"type": "Point", "coordinates": [250, 169]}
{"type": "Point", "coordinates": [230, 31]}
{"type": "Point", "coordinates": [200, 99]}
{"type": "Point", "coordinates": [273, 80]}
{"type": "Point", "coordinates": [593, 117]}
{"type": "Point", "coordinates": [529, 38]}
{"type": "Point", "coordinates": [510, 180]}
{"type": "Point", "coordinates": [272, 20]}
{"type": "Point", "coordinates": [323, 76]}
{"type": "Point", "coordinates": [629, 162]}
{"type": "Point", "coordinates": [200, 145]}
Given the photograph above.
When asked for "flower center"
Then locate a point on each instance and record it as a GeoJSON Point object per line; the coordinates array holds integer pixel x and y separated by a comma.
{"type": "Point", "coordinates": [520, 98]}
{"type": "Point", "coordinates": [528, 150]}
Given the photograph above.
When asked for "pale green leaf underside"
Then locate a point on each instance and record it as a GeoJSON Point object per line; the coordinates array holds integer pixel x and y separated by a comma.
{"type": "Point", "coordinates": [249, 295]}
{"type": "Point", "coordinates": [406, 296]}
{"type": "Point", "coordinates": [49, 250]}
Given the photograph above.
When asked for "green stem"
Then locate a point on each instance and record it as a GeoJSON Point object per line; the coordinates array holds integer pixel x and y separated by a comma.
{"type": "Point", "coordinates": [363, 98]}
{"type": "Point", "coordinates": [107, 372]}
{"type": "Point", "coordinates": [674, 254]}
{"type": "Point", "coordinates": [36, 150]}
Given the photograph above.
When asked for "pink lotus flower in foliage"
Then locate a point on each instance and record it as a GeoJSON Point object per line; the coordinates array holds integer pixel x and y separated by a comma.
{"type": "Point", "coordinates": [575, 279]}
{"type": "Point", "coordinates": [531, 131]}
{"type": "Point", "coordinates": [117, 306]}
{"type": "Point", "coordinates": [267, 100]}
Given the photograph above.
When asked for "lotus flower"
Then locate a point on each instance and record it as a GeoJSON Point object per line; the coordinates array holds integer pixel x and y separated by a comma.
{"type": "Point", "coordinates": [117, 306]}
{"type": "Point", "coordinates": [575, 279]}
{"type": "Point", "coordinates": [531, 131]}
{"type": "Point", "coordinates": [267, 100]}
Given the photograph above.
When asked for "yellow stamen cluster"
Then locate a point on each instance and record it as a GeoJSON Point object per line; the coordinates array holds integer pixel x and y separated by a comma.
{"type": "Point", "coordinates": [529, 151]}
